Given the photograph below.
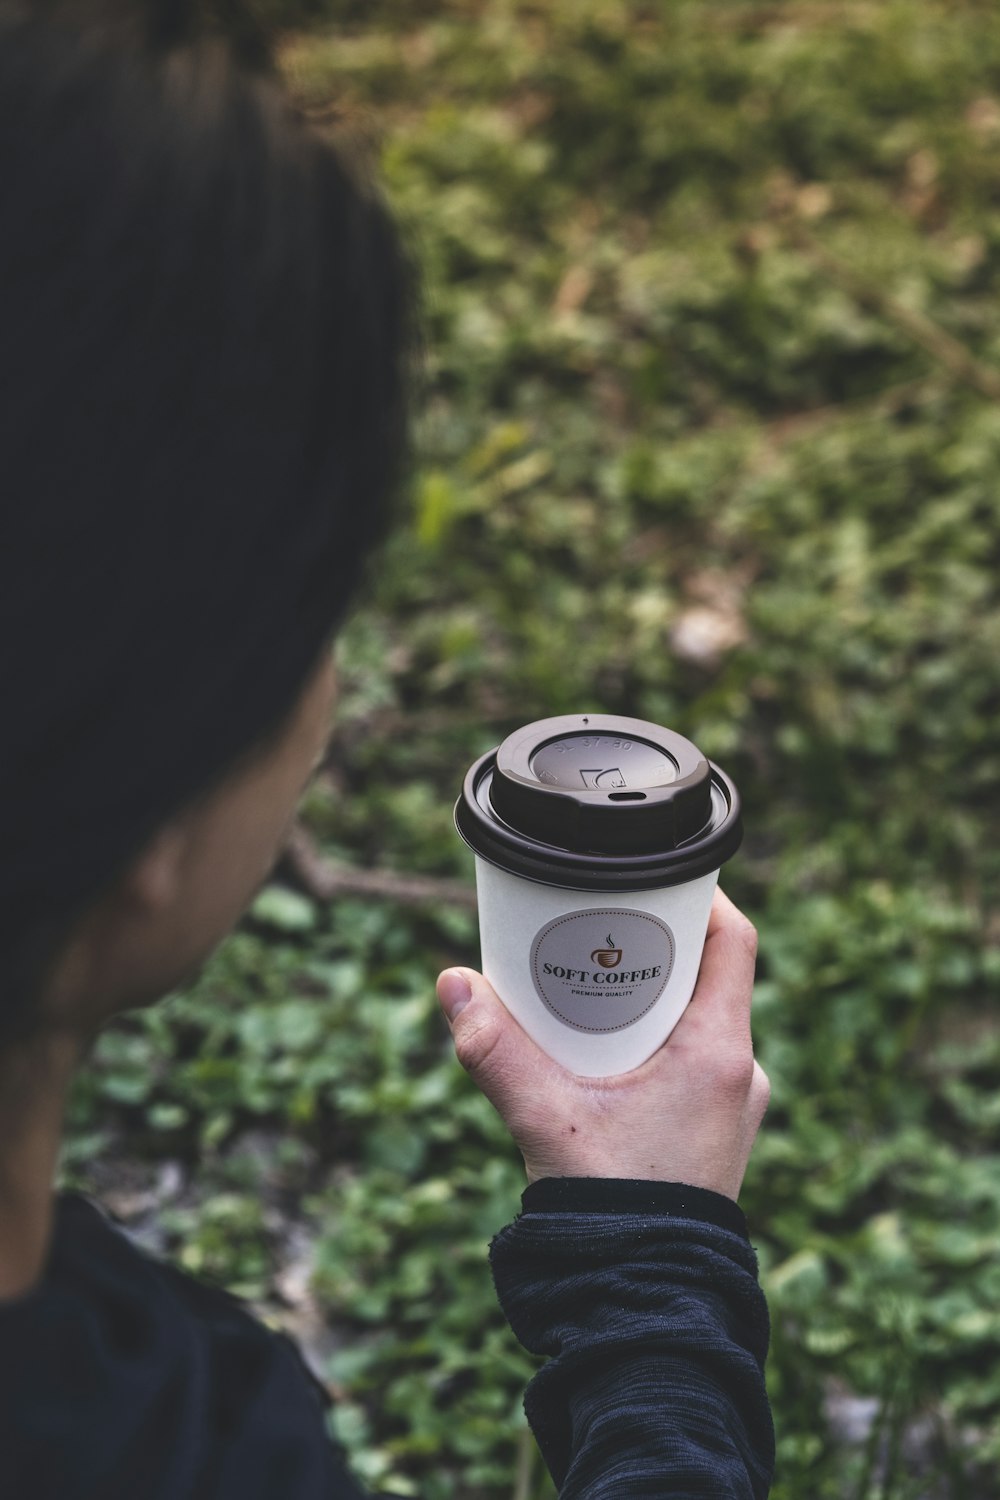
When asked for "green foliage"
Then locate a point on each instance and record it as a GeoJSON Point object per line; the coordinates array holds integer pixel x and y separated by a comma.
{"type": "Point", "coordinates": [671, 463]}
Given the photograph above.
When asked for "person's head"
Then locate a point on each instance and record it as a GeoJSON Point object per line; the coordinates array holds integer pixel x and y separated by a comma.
{"type": "Point", "coordinates": [203, 340]}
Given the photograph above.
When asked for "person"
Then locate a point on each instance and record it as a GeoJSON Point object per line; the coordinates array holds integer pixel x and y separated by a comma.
{"type": "Point", "coordinates": [207, 324]}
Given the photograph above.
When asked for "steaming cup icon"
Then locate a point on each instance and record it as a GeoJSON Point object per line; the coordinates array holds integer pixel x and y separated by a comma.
{"type": "Point", "coordinates": [609, 957]}
{"type": "Point", "coordinates": [598, 842]}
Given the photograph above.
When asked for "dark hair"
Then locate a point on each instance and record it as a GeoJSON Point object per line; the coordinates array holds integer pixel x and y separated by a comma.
{"type": "Point", "coordinates": [203, 340]}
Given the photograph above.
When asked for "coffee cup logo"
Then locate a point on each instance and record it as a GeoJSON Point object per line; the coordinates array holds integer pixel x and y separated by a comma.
{"type": "Point", "coordinates": [605, 994]}
{"type": "Point", "coordinates": [609, 957]}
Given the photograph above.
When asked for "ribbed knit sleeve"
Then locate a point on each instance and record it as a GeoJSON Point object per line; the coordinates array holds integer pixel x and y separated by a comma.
{"type": "Point", "coordinates": [645, 1296]}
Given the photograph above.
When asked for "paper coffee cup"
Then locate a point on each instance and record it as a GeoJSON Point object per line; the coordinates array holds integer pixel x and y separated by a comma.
{"type": "Point", "coordinates": [598, 843]}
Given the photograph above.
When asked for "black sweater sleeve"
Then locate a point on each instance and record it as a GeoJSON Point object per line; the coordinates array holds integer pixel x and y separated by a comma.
{"type": "Point", "coordinates": [646, 1297]}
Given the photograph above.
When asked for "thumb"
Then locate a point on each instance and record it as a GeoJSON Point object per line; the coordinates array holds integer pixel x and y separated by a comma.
{"type": "Point", "coordinates": [494, 1050]}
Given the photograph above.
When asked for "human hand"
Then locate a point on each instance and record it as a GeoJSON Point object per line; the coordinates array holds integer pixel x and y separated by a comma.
{"type": "Point", "coordinates": [689, 1114]}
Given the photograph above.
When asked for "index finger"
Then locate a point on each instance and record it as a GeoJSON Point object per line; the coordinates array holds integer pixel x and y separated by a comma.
{"type": "Point", "coordinates": [725, 979]}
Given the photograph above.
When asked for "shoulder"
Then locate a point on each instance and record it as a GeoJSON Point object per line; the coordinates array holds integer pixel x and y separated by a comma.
{"type": "Point", "coordinates": [121, 1376]}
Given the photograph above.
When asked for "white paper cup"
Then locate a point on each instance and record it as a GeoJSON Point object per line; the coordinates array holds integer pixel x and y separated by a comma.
{"type": "Point", "coordinates": [592, 934]}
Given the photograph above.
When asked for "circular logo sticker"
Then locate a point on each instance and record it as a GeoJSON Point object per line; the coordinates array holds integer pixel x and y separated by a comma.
{"type": "Point", "coordinates": [600, 970]}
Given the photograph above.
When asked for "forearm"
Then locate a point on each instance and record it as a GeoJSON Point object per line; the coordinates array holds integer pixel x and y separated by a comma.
{"type": "Point", "coordinates": [646, 1297]}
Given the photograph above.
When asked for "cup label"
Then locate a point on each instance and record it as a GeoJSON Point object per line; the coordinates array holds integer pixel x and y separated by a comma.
{"type": "Point", "coordinates": [600, 969]}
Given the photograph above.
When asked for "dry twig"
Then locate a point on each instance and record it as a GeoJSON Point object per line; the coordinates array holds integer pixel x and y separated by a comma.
{"type": "Point", "coordinates": [948, 351]}
{"type": "Point", "coordinates": [525, 1470]}
{"type": "Point", "coordinates": [324, 880]}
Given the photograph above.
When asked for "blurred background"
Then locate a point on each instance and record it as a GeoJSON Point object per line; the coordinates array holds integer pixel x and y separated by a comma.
{"type": "Point", "coordinates": [710, 435]}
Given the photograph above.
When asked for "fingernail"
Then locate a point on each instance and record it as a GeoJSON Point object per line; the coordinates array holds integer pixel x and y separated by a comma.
{"type": "Point", "coordinates": [454, 992]}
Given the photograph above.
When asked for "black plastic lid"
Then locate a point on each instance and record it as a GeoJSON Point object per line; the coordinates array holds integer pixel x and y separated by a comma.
{"type": "Point", "coordinates": [600, 802]}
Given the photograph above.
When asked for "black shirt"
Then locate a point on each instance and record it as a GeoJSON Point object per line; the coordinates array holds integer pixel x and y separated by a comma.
{"type": "Point", "coordinates": [123, 1379]}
